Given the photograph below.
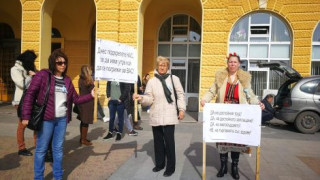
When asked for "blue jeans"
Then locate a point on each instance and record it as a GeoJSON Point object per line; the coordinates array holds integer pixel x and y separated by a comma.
{"type": "Point", "coordinates": [56, 129]}
{"type": "Point", "coordinates": [115, 107]}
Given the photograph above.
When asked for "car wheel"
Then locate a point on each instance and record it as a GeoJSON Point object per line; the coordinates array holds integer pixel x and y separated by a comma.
{"type": "Point", "coordinates": [307, 122]}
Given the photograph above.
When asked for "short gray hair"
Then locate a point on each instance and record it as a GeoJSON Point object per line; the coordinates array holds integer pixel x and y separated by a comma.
{"type": "Point", "coordinates": [161, 59]}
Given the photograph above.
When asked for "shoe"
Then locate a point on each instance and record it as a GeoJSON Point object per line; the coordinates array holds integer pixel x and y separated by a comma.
{"type": "Point", "coordinates": [133, 133]}
{"type": "Point", "coordinates": [118, 138]}
{"type": "Point", "coordinates": [148, 111]}
{"type": "Point", "coordinates": [137, 127]}
{"type": "Point", "coordinates": [108, 136]}
{"type": "Point", "coordinates": [25, 152]}
{"type": "Point", "coordinates": [167, 174]}
{"type": "Point", "coordinates": [106, 119]}
{"type": "Point", "coordinates": [156, 169]}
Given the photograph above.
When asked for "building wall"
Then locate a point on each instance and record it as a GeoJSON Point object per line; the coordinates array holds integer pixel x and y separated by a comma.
{"type": "Point", "coordinates": [125, 20]}
{"type": "Point", "coordinates": [219, 16]}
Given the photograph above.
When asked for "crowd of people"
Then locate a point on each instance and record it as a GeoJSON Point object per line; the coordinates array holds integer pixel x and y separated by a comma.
{"type": "Point", "coordinates": [163, 96]}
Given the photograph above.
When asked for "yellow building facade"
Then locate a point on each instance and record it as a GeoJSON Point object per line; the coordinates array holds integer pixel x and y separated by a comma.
{"type": "Point", "coordinates": [196, 34]}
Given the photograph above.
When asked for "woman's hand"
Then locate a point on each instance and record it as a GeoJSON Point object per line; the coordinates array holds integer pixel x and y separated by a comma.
{"type": "Point", "coordinates": [93, 90]}
{"type": "Point", "coordinates": [25, 122]}
{"type": "Point", "coordinates": [181, 115]}
{"type": "Point", "coordinates": [202, 102]}
{"type": "Point", "coordinates": [261, 105]}
{"type": "Point", "coordinates": [136, 97]}
{"type": "Point", "coordinates": [31, 73]}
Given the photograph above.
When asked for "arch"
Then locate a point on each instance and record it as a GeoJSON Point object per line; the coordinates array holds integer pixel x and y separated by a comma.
{"type": "Point", "coordinates": [10, 44]}
{"type": "Point", "coordinates": [315, 55]}
{"type": "Point", "coordinates": [151, 16]}
{"type": "Point", "coordinates": [74, 20]}
{"type": "Point", "coordinates": [6, 31]}
{"type": "Point", "coordinates": [262, 36]}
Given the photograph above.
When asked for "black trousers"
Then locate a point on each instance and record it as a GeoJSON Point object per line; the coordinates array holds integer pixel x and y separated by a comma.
{"type": "Point", "coordinates": [164, 147]}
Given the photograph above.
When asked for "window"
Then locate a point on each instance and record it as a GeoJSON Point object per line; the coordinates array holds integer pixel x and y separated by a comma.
{"type": "Point", "coordinates": [261, 37]}
{"type": "Point", "coordinates": [315, 65]}
{"type": "Point", "coordinates": [309, 87]}
{"type": "Point", "coordinates": [56, 40]}
{"type": "Point", "coordinates": [180, 41]}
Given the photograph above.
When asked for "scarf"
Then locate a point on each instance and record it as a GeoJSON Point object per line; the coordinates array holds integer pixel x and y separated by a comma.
{"type": "Point", "coordinates": [166, 90]}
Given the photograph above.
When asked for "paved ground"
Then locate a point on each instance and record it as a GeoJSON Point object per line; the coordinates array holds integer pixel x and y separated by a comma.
{"type": "Point", "coordinates": [285, 154]}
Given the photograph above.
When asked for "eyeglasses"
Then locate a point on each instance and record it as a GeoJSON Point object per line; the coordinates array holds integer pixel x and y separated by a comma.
{"type": "Point", "coordinates": [60, 63]}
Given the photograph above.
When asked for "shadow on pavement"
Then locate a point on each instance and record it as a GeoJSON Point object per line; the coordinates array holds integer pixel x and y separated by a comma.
{"type": "Point", "coordinates": [10, 161]}
{"type": "Point", "coordinates": [194, 155]}
{"type": "Point", "coordinates": [76, 154]}
{"type": "Point", "coordinates": [119, 146]}
{"type": "Point", "coordinates": [149, 148]}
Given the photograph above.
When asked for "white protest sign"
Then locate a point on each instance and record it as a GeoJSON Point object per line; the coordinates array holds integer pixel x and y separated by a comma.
{"type": "Point", "coordinates": [115, 62]}
{"type": "Point", "coordinates": [232, 123]}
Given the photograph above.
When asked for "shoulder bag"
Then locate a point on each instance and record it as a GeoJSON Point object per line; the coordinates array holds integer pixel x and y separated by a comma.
{"type": "Point", "coordinates": [175, 95]}
{"type": "Point", "coordinates": [37, 112]}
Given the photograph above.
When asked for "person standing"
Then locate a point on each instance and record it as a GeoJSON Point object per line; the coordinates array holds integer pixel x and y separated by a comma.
{"type": "Point", "coordinates": [232, 86]}
{"type": "Point", "coordinates": [57, 112]}
{"type": "Point", "coordinates": [160, 96]}
{"type": "Point", "coordinates": [86, 85]}
{"type": "Point", "coordinates": [21, 74]}
{"type": "Point", "coordinates": [118, 96]}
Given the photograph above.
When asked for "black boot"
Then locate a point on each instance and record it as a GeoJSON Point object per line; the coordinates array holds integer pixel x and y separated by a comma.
{"type": "Point", "coordinates": [234, 165]}
{"type": "Point", "coordinates": [224, 165]}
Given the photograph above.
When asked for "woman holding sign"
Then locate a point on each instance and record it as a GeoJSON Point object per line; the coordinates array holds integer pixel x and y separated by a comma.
{"type": "Point", "coordinates": [164, 94]}
{"type": "Point", "coordinates": [231, 86]}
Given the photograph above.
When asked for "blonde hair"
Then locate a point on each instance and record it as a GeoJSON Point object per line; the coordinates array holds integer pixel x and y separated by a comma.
{"type": "Point", "coordinates": [86, 73]}
{"type": "Point", "coordinates": [161, 59]}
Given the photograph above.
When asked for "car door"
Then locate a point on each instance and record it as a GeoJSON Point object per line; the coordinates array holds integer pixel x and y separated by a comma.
{"type": "Point", "coordinates": [316, 96]}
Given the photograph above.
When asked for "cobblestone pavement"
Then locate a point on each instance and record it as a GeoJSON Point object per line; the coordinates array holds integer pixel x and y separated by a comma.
{"type": "Point", "coordinates": [285, 154]}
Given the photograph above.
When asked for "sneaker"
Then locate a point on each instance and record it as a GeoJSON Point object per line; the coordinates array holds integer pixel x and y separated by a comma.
{"type": "Point", "coordinates": [24, 152]}
{"type": "Point", "coordinates": [118, 138]}
{"type": "Point", "coordinates": [106, 119]}
{"type": "Point", "coordinates": [108, 136]}
{"type": "Point", "coordinates": [133, 133]}
{"type": "Point", "coordinates": [148, 111]}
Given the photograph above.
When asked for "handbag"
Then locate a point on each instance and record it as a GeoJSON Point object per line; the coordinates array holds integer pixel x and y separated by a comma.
{"type": "Point", "coordinates": [175, 95]}
{"type": "Point", "coordinates": [37, 112]}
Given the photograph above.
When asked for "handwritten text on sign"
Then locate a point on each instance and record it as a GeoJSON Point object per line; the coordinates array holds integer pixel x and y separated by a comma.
{"type": "Point", "coordinates": [233, 123]}
{"type": "Point", "coordinates": [115, 62]}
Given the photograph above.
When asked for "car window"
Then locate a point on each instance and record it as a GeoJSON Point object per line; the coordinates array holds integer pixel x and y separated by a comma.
{"type": "Point", "coordinates": [309, 87]}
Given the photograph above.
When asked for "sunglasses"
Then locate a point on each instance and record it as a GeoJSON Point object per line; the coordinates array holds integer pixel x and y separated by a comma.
{"type": "Point", "coordinates": [60, 63]}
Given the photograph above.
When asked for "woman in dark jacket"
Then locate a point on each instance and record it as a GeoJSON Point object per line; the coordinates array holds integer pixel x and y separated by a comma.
{"type": "Point", "coordinates": [86, 109]}
{"type": "Point", "coordinates": [57, 113]}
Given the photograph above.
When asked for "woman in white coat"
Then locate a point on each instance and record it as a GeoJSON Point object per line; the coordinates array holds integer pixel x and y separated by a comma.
{"type": "Point", "coordinates": [164, 113]}
{"type": "Point", "coordinates": [21, 74]}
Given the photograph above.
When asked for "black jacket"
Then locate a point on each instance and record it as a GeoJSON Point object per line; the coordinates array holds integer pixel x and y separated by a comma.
{"type": "Point", "coordinates": [268, 106]}
{"type": "Point", "coordinates": [125, 97]}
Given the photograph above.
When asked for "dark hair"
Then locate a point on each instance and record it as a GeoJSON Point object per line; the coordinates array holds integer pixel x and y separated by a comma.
{"type": "Point", "coordinates": [233, 55]}
{"type": "Point", "coordinates": [52, 61]}
{"type": "Point", "coordinates": [269, 96]}
{"type": "Point", "coordinates": [27, 58]}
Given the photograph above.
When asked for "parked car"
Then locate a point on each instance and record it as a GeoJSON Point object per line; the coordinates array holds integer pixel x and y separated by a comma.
{"type": "Point", "coordinates": [298, 99]}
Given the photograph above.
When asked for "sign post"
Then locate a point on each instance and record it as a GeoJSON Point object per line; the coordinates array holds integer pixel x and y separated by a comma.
{"type": "Point", "coordinates": [232, 123]}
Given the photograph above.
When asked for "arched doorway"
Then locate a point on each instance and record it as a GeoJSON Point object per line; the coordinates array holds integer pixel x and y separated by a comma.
{"type": "Point", "coordinates": [71, 24]}
{"type": "Point", "coordinates": [10, 45]}
{"type": "Point", "coordinates": [179, 39]}
{"type": "Point", "coordinates": [262, 37]}
{"type": "Point", "coordinates": [157, 15]}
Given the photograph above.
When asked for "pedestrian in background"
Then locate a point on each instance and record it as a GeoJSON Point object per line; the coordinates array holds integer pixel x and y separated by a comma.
{"type": "Point", "coordinates": [118, 96]}
{"type": "Point", "coordinates": [57, 113]}
{"type": "Point", "coordinates": [160, 96]}
{"type": "Point", "coordinates": [86, 109]}
{"type": "Point", "coordinates": [268, 112]}
{"type": "Point", "coordinates": [21, 74]}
